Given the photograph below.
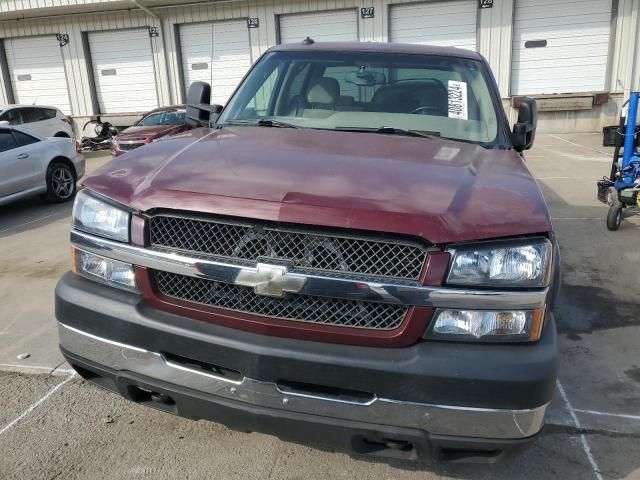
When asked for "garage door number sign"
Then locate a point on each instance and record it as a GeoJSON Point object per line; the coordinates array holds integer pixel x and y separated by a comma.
{"type": "Point", "coordinates": [367, 12]}
{"type": "Point", "coordinates": [485, 3]}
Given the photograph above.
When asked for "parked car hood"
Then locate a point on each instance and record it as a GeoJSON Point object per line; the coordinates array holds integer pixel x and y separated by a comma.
{"type": "Point", "coordinates": [150, 132]}
{"type": "Point", "coordinates": [440, 190]}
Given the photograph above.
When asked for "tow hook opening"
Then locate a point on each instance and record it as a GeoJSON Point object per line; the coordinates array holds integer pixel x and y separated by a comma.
{"type": "Point", "coordinates": [463, 455]}
{"type": "Point", "coordinates": [154, 399]}
{"type": "Point", "coordinates": [387, 447]}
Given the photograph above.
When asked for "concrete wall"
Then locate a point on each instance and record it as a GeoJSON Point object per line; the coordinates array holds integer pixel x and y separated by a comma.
{"type": "Point", "coordinates": [494, 42]}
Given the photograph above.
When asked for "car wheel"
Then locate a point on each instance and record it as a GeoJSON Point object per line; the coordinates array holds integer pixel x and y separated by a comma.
{"type": "Point", "coordinates": [61, 183]}
{"type": "Point", "coordinates": [62, 135]}
{"type": "Point", "coordinates": [614, 218]}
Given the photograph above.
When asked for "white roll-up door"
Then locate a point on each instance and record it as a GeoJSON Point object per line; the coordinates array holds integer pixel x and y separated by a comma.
{"type": "Point", "coordinates": [327, 26]}
{"type": "Point", "coordinates": [123, 70]}
{"type": "Point", "coordinates": [218, 53]}
{"type": "Point", "coordinates": [560, 46]}
{"type": "Point", "coordinates": [445, 23]}
{"type": "Point", "coordinates": [37, 71]}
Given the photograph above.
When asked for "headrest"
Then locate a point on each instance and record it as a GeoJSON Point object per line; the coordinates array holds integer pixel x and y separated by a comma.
{"type": "Point", "coordinates": [324, 90]}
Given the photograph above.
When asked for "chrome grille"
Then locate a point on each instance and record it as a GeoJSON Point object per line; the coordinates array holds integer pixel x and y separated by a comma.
{"type": "Point", "coordinates": [304, 249]}
{"type": "Point", "coordinates": [302, 308]}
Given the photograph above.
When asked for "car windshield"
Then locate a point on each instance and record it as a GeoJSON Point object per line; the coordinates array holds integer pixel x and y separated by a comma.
{"type": "Point", "coordinates": [165, 117]}
{"type": "Point", "coordinates": [369, 91]}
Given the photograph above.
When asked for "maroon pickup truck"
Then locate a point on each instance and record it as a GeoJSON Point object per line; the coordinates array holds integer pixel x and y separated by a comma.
{"type": "Point", "coordinates": [352, 252]}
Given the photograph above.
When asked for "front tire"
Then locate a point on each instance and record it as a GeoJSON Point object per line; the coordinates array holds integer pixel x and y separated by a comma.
{"type": "Point", "coordinates": [61, 183]}
{"type": "Point", "coordinates": [614, 218]}
{"type": "Point", "coordinates": [62, 135]}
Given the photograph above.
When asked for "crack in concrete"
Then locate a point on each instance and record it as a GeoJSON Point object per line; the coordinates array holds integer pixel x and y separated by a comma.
{"type": "Point", "coordinates": [555, 428]}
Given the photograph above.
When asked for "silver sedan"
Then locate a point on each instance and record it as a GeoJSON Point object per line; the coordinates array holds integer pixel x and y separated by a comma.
{"type": "Point", "coordinates": [32, 165]}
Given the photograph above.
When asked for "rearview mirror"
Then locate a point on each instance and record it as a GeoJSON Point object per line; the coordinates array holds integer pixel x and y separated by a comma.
{"type": "Point", "coordinates": [524, 131]}
{"type": "Point", "coordinates": [199, 109]}
{"type": "Point", "coordinates": [365, 78]}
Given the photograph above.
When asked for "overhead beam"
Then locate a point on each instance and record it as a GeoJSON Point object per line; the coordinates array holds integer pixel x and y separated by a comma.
{"type": "Point", "coordinates": [145, 9]}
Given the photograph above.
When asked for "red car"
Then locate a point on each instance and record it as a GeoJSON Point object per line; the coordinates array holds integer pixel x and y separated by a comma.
{"type": "Point", "coordinates": [156, 124]}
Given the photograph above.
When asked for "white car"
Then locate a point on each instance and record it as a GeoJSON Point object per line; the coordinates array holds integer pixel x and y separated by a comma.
{"type": "Point", "coordinates": [32, 165]}
{"type": "Point", "coordinates": [40, 120]}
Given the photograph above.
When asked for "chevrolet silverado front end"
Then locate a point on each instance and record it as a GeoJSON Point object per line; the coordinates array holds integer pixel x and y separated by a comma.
{"type": "Point", "coordinates": [326, 263]}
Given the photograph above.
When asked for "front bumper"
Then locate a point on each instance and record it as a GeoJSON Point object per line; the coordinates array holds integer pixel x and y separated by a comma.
{"type": "Point", "coordinates": [477, 401]}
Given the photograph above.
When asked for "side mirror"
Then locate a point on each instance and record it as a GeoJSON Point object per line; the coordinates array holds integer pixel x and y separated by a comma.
{"type": "Point", "coordinates": [524, 131]}
{"type": "Point", "coordinates": [4, 122]}
{"type": "Point", "coordinates": [199, 109]}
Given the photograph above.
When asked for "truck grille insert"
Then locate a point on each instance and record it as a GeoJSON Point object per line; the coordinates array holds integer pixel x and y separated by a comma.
{"type": "Point", "coordinates": [302, 308]}
{"type": "Point", "coordinates": [304, 249]}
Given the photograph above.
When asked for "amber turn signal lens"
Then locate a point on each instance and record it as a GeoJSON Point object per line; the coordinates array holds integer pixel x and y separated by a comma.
{"type": "Point", "coordinates": [487, 325]}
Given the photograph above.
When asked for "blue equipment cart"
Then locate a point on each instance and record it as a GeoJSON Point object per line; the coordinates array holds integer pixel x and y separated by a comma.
{"type": "Point", "coordinates": [621, 191]}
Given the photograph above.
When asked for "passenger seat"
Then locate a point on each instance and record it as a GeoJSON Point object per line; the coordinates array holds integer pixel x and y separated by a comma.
{"type": "Point", "coordinates": [322, 98]}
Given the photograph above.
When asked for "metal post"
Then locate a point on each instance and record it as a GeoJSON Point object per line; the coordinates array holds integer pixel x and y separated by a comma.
{"type": "Point", "coordinates": [629, 136]}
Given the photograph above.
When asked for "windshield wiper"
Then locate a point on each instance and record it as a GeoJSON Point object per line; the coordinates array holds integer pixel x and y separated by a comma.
{"type": "Point", "coordinates": [390, 131]}
{"type": "Point", "coordinates": [263, 123]}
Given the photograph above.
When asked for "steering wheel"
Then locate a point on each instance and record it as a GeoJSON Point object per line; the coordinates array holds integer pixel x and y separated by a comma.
{"type": "Point", "coordinates": [430, 110]}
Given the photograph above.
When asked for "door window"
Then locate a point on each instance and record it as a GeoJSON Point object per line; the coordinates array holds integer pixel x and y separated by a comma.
{"type": "Point", "coordinates": [12, 116]}
{"type": "Point", "coordinates": [49, 113]}
{"type": "Point", "coordinates": [7, 142]}
{"type": "Point", "coordinates": [23, 139]}
{"type": "Point", "coordinates": [33, 114]}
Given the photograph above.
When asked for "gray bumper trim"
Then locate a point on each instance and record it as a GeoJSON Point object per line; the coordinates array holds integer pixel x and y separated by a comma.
{"type": "Point", "coordinates": [435, 419]}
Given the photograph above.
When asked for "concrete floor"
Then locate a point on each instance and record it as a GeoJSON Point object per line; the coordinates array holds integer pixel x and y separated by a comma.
{"type": "Point", "coordinates": [57, 426]}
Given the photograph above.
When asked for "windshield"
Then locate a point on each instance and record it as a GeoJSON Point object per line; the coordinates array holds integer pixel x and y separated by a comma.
{"type": "Point", "coordinates": [164, 117]}
{"type": "Point", "coordinates": [436, 95]}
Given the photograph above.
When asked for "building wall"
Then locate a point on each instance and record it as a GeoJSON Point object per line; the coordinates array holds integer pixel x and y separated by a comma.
{"type": "Point", "coordinates": [495, 28]}
{"type": "Point", "coordinates": [73, 53]}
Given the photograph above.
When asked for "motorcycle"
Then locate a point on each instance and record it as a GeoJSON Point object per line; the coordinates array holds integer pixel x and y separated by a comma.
{"type": "Point", "coordinates": [105, 132]}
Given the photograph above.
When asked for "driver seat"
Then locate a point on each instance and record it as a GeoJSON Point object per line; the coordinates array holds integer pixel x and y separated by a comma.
{"type": "Point", "coordinates": [405, 97]}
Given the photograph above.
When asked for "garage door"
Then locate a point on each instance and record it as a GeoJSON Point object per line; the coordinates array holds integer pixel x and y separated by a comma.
{"type": "Point", "coordinates": [447, 23]}
{"type": "Point", "coordinates": [123, 71]}
{"type": "Point", "coordinates": [329, 26]}
{"type": "Point", "coordinates": [218, 53]}
{"type": "Point", "coordinates": [560, 46]}
{"type": "Point", "coordinates": [37, 71]}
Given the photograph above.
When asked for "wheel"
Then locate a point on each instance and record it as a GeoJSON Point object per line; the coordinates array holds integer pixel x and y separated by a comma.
{"type": "Point", "coordinates": [614, 218]}
{"type": "Point", "coordinates": [62, 135]}
{"type": "Point", "coordinates": [61, 183]}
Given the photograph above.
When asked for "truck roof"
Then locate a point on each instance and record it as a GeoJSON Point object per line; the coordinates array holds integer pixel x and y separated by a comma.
{"type": "Point", "coordinates": [378, 47]}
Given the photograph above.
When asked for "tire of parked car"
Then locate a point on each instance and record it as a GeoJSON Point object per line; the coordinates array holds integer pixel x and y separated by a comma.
{"type": "Point", "coordinates": [61, 182]}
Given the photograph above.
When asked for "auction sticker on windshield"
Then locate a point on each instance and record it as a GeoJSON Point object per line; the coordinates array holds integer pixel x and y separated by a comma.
{"type": "Point", "coordinates": [458, 100]}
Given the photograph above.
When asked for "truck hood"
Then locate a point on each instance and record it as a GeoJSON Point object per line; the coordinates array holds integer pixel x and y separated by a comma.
{"type": "Point", "coordinates": [440, 190]}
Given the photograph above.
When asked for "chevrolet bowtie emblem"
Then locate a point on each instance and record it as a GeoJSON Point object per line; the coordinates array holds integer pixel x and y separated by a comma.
{"type": "Point", "coordinates": [270, 280]}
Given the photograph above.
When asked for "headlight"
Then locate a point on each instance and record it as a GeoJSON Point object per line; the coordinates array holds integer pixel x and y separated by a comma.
{"type": "Point", "coordinates": [524, 263]}
{"type": "Point", "coordinates": [98, 217]}
{"type": "Point", "coordinates": [487, 326]}
{"type": "Point", "coordinates": [104, 270]}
